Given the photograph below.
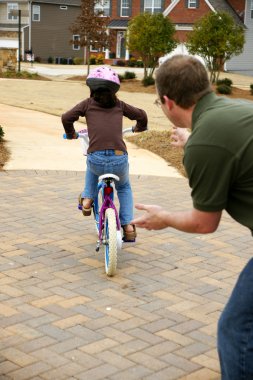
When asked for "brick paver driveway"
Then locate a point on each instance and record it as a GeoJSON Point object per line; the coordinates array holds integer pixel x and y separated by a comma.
{"type": "Point", "coordinates": [62, 318]}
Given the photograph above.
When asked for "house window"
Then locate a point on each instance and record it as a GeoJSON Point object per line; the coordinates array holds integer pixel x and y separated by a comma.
{"type": "Point", "coordinates": [10, 7]}
{"type": "Point", "coordinates": [192, 3]}
{"type": "Point", "coordinates": [36, 13]}
{"type": "Point", "coordinates": [103, 6]}
{"type": "Point", "coordinates": [153, 6]}
{"type": "Point", "coordinates": [63, 7]}
{"type": "Point", "coordinates": [95, 49]}
{"type": "Point", "coordinates": [125, 6]}
{"type": "Point", "coordinates": [251, 9]}
{"type": "Point", "coordinates": [76, 42]}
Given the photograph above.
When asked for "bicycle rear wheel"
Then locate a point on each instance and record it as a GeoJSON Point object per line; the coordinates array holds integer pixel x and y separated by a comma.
{"type": "Point", "coordinates": [110, 242]}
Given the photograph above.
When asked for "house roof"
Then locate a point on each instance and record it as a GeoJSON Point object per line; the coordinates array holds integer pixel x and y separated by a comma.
{"type": "Point", "coordinates": [118, 24]}
{"type": "Point", "coordinates": [11, 27]}
{"type": "Point", "coordinates": [214, 5]}
{"type": "Point", "coordinates": [224, 6]}
{"type": "Point", "coordinates": [75, 3]}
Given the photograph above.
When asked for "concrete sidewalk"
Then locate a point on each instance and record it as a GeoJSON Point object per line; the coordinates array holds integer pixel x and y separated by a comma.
{"type": "Point", "coordinates": [240, 79]}
{"type": "Point", "coordinates": [35, 141]}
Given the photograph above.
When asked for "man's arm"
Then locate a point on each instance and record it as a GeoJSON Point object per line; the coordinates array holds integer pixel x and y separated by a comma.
{"type": "Point", "coordinates": [192, 221]}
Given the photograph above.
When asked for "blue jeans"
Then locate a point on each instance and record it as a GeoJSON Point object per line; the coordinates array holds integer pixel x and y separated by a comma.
{"type": "Point", "coordinates": [105, 161]}
{"type": "Point", "coordinates": [235, 330]}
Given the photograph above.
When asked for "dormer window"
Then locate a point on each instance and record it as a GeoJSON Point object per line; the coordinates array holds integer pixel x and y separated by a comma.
{"type": "Point", "coordinates": [103, 6]}
{"type": "Point", "coordinates": [192, 4]}
{"type": "Point", "coordinates": [153, 6]}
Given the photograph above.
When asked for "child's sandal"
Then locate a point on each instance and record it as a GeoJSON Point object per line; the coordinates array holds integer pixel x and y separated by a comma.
{"type": "Point", "coordinates": [129, 236]}
{"type": "Point", "coordinates": [85, 211]}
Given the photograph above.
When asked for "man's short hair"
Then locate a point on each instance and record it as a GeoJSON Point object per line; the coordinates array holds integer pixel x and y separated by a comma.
{"type": "Point", "coordinates": [184, 79]}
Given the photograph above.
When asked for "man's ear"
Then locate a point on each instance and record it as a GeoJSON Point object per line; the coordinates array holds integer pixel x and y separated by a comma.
{"type": "Point", "coordinates": [168, 102]}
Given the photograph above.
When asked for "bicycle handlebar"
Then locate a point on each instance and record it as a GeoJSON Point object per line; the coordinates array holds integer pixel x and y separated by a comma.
{"type": "Point", "coordinates": [83, 135]}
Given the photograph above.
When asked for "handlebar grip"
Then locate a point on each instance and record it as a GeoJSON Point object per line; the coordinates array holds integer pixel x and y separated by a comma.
{"type": "Point", "coordinates": [65, 136]}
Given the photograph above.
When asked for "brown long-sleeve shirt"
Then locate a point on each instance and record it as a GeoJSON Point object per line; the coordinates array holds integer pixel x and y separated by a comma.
{"type": "Point", "coordinates": [104, 124]}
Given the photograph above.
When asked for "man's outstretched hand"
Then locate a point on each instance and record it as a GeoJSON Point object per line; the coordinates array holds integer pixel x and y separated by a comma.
{"type": "Point", "coordinates": [153, 219]}
{"type": "Point", "coordinates": [179, 137]}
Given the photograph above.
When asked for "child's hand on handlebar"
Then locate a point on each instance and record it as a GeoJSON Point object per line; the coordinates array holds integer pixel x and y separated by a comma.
{"type": "Point", "coordinates": [74, 136]}
{"type": "Point", "coordinates": [135, 129]}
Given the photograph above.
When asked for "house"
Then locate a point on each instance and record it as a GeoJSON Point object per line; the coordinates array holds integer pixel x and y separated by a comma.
{"type": "Point", "coordinates": [10, 24]}
{"type": "Point", "coordinates": [47, 29]}
{"type": "Point", "coordinates": [50, 37]}
{"type": "Point", "coordinates": [43, 27]}
{"type": "Point", "coordinates": [244, 61]}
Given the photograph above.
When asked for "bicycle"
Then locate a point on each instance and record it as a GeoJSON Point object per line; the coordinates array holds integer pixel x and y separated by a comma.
{"type": "Point", "coordinates": [107, 223]}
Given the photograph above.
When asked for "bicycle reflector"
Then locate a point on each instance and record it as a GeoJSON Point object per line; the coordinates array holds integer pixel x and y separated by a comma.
{"type": "Point", "coordinates": [108, 190]}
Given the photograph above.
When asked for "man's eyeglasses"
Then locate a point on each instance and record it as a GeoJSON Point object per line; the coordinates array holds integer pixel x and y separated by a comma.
{"type": "Point", "coordinates": [158, 102]}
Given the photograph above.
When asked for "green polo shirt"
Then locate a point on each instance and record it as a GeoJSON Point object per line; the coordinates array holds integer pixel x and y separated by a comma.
{"type": "Point", "coordinates": [218, 157]}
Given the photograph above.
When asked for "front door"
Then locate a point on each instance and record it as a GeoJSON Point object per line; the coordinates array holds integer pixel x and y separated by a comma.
{"type": "Point", "coordinates": [121, 48]}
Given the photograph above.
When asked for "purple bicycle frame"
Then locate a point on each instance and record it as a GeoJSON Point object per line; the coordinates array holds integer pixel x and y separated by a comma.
{"type": "Point", "coordinates": [108, 203]}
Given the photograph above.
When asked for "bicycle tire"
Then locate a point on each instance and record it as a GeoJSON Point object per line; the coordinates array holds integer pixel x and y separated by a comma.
{"type": "Point", "coordinates": [110, 242]}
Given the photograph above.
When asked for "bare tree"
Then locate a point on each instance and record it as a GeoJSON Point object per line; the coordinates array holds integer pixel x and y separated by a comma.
{"type": "Point", "coordinates": [91, 25]}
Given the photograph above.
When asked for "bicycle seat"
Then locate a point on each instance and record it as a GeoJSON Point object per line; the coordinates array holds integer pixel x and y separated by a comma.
{"type": "Point", "coordinates": [108, 176]}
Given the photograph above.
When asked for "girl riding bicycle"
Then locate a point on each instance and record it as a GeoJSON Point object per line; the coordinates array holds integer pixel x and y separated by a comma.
{"type": "Point", "coordinates": [107, 152]}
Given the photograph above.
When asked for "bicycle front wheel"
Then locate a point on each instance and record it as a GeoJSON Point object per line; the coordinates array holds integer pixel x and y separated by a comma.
{"type": "Point", "coordinates": [110, 242]}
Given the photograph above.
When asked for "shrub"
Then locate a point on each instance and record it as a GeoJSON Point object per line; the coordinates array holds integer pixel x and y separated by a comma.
{"type": "Point", "coordinates": [121, 63]}
{"type": "Point", "coordinates": [228, 82]}
{"type": "Point", "coordinates": [223, 89]}
{"type": "Point", "coordinates": [148, 81]}
{"type": "Point", "coordinates": [37, 59]}
{"type": "Point", "coordinates": [50, 60]}
{"type": "Point", "coordinates": [77, 61]}
{"type": "Point", "coordinates": [92, 60]}
{"type": "Point", "coordinates": [1, 133]}
{"type": "Point", "coordinates": [131, 62]}
{"type": "Point", "coordinates": [251, 89]}
{"type": "Point", "coordinates": [100, 59]}
{"type": "Point", "coordinates": [121, 77]}
{"type": "Point", "coordinates": [129, 75]}
{"type": "Point", "coordinates": [19, 75]}
{"type": "Point", "coordinates": [139, 63]}
{"type": "Point", "coordinates": [63, 61]}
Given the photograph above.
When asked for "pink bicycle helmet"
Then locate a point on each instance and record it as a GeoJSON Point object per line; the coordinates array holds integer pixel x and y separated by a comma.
{"type": "Point", "coordinates": [103, 77]}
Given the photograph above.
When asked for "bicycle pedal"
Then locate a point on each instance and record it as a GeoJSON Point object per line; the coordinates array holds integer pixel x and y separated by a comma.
{"type": "Point", "coordinates": [97, 246]}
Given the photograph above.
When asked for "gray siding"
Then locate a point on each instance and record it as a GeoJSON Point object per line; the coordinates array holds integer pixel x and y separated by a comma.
{"type": "Point", "coordinates": [244, 61]}
{"type": "Point", "coordinates": [51, 35]}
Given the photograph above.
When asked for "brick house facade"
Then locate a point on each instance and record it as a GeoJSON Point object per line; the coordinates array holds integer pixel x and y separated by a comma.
{"type": "Point", "coordinates": [46, 30]}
